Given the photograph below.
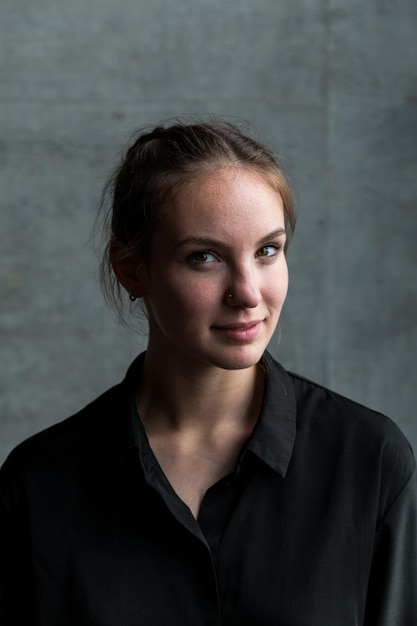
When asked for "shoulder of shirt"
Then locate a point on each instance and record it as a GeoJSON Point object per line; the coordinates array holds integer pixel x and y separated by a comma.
{"type": "Point", "coordinates": [77, 435]}
{"type": "Point", "coordinates": [99, 432]}
{"type": "Point", "coordinates": [321, 400]}
{"type": "Point", "coordinates": [345, 422]}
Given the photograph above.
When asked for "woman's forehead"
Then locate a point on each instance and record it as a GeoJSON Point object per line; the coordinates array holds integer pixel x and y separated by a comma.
{"type": "Point", "coordinates": [225, 202]}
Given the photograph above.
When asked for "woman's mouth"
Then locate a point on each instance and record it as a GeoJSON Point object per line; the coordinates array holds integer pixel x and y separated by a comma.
{"type": "Point", "coordinates": [240, 332]}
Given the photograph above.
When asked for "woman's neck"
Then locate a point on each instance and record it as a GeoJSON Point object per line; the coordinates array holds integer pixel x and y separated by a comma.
{"type": "Point", "coordinates": [197, 420]}
{"type": "Point", "coordinates": [202, 399]}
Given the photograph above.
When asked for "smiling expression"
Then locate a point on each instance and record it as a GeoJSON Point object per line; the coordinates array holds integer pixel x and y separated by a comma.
{"type": "Point", "coordinates": [216, 277]}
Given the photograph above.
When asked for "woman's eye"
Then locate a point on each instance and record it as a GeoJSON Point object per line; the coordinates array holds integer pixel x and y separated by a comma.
{"type": "Point", "coordinates": [268, 251]}
{"type": "Point", "coordinates": [202, 257]}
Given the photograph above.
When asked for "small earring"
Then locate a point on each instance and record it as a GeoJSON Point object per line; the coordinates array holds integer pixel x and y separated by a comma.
{"type": "Point", "coordinates": [230, 296]}
{"type": "Point", "coordinates": [132, 298]}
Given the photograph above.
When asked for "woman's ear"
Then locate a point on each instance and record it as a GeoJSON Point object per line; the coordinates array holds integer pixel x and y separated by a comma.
{"type": "Point", "coordinates": [128, 269]}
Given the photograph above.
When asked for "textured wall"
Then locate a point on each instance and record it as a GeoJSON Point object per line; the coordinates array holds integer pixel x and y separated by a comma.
{"type": "Point", "coordinates": [331, 82]}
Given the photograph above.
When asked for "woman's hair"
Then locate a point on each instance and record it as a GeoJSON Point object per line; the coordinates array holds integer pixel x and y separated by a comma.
{"type": "Point", "coordinates": [155, 169]}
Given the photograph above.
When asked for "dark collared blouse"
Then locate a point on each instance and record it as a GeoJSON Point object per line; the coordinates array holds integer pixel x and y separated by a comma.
{"type": "Point", "coordinates": [316, 526]}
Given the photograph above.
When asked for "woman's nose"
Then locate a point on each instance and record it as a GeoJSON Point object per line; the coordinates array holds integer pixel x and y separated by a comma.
{"type": "Point", "coordinates": [244, 290]}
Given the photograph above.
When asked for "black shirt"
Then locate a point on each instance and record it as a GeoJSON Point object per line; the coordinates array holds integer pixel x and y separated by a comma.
{"type": "Point", "coordinates": [315, 527]}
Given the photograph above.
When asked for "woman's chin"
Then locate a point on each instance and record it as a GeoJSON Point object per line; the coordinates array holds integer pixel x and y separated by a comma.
{"type": "Point", "coordinates": [239, 358]}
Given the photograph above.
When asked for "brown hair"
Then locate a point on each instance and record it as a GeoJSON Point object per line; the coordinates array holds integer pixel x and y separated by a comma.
{"type": "Point", "coordinates": [157, 166]}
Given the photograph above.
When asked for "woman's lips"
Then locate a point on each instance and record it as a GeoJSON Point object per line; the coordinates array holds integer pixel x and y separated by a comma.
{"type": "Point", "coordinates": [240, 332]}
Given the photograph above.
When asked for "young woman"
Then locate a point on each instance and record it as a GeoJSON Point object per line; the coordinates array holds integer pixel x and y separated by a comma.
{"type": "Point", "coordinates": [211, 486]}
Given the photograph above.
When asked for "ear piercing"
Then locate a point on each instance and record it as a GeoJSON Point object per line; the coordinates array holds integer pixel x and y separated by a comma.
{"type": "Point", "coordinates": [230, 296]}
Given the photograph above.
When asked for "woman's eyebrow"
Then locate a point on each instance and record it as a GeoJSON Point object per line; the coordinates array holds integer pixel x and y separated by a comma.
{"type": "Point", "coordinates": [210, 242]}
{"type": "Point", "coordinates": [280, 232]}
{"type": "Point", "coordinates": [199, 241]}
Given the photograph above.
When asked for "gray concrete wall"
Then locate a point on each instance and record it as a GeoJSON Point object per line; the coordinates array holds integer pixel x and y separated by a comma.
{"type": "Point", "coordinates": [331, 82]}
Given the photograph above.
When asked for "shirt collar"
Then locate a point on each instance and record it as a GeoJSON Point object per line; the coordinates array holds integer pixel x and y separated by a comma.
{"type": "Point", "coordinates": [128, 420]}
{"type": "Point", "coordinates": [274, 435]}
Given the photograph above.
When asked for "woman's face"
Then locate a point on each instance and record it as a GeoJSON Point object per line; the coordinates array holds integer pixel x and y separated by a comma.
{"type": "Point", "coordinates": [224, 234]}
